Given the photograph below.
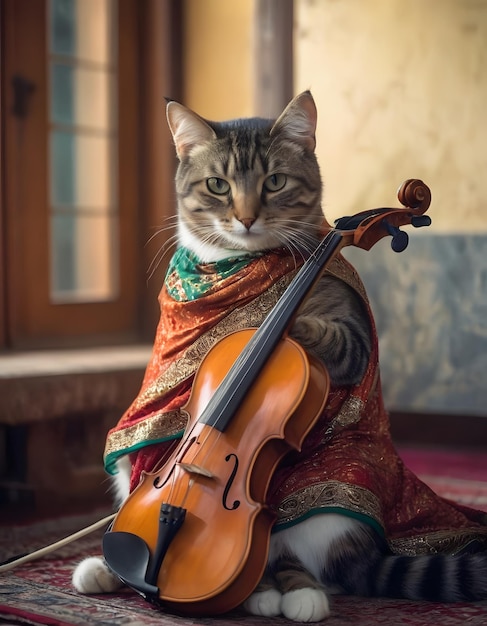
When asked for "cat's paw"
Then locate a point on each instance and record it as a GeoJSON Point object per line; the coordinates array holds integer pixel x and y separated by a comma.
{"type": "Point", "coordinates": [264, 603]}
{"type": "Point", "coordinates": [305, 605]}
{"type": "Point", "coordinates": [93, 576]}
{"type": "Point", "coordinates": [309, 331]}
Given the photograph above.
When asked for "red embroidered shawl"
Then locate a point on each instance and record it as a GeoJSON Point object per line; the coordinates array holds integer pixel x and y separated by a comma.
{"type": "Point", "coordinates": [348, 463]}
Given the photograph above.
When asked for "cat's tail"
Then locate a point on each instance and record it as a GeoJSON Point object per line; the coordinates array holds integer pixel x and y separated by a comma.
{"type": "Point", "coordinates": [439, 577]}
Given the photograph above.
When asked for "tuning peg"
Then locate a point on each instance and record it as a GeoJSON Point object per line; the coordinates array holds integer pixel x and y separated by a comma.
{"type": "Point", "coordinates": [420, 220]}
{"type": "Point", "coordinates": [400, 239]}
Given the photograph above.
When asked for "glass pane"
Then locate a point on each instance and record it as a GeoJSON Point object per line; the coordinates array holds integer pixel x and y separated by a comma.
{"type": "Point", "coordinates": [82, 171]}
{"type": "Point", "coordinates": [95, 30]}
{"type": "Point", "coordinates": [83, 29]}
{"type": "Point", "coordinates": [94, 91]}
{"type": "Point", "coordinates": [82, 96]}
{"type": "Point", "coordinates": [62, 261]}
{"type": "Point", "coordinates": [83, 150]}
{"type": "Point", "coordinates": [62, 94]}
{"type": "Point", "coordinates": [81, 269]}
{"type": "Point", "coordinates": [63, 26]}
{"type": "Point", "coordinates": [62, 169]}
{"type": "Point", "coordinates": [94, 179]}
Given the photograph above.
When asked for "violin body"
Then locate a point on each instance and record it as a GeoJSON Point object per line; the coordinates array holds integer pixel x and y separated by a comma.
{"type": "Point", "coordinates": [219, 553]}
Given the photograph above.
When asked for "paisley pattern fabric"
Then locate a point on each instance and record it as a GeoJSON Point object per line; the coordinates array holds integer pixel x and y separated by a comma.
{"type": "Point", "coordinates": [348, 463]}
{"type": "Point", "coordinates": [187, 329]}
{"type": "Point", "coordinates": [188, 278]}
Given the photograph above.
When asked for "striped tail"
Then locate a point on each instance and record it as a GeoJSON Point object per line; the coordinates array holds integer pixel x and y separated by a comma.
{"type": "Point", "coordinates": [440, 578]}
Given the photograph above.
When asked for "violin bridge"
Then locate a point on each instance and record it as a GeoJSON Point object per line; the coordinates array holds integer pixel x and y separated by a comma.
{"type": "Point", "coordinates": [195, 469]}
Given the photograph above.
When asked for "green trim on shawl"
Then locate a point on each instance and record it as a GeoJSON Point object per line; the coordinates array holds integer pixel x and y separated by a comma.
{"type": "Point", "coordinates": [112, 458]}
{"type": "Point", "coordinates": [361, 517]}
{"type": "Point", "coordinates": [188, 278]}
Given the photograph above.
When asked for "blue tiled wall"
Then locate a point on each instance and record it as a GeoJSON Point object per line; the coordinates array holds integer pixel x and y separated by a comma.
{"type": "Point", "coordinates": [430, 306]}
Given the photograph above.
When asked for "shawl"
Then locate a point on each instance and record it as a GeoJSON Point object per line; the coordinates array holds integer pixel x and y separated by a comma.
{"type": "Point", "coordinates": [348, 463]}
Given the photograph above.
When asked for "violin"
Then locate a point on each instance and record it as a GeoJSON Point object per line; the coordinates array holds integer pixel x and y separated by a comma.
{"type": "Point", "coordinates": [194, 534]}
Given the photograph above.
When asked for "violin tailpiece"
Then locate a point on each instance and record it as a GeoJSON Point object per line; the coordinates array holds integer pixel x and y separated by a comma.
{"type": "Point", "coordinates": [129, 557]}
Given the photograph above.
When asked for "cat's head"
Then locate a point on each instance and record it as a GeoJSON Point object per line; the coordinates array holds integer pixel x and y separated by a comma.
{"type": "Point", "coordinates": [247, 185]}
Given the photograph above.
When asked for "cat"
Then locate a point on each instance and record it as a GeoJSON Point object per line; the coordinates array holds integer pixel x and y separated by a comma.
{"type": "Point", "coordinates": [253, 185]}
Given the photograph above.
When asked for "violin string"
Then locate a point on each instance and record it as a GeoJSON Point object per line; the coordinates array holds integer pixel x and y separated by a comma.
{"type": "Point", "coordinates": [188, 489]}
{"type": "Point", "coordinates": [242, 366]}
{"type": "Point", "coordinates": [245, 362]}
{"type": "Point", "coordinates": [197, 459]}
{"type": "Point", "coordinates": [175, 482]}
{"type": "Point", "coordinates": [172, 479]}
{"type": "Point", "coordinates": [170, 498]}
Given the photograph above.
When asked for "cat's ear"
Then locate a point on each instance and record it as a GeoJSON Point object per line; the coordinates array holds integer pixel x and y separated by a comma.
{"type": "Point", "coordinates": [188, 129]}
{"type": "Point", "coordinates": [298, 121]}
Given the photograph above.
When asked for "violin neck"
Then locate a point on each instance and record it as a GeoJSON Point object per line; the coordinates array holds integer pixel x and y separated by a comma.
{"type": "Point", "coordinates": [281, 317]}
{"type": "Point", "coordinates": [239, 379]}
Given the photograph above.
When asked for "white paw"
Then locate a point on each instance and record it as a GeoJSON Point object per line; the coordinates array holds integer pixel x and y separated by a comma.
{"type": "Point", "coordinates": [265, 603]}
{"type": "Point", "coordinates": [93, 576]}
{"type": "Point", "coordinates": [305, 605]}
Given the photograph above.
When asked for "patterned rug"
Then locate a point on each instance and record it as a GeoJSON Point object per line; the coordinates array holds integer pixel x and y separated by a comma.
{"type": "Point", "coordinates": [40, 592]}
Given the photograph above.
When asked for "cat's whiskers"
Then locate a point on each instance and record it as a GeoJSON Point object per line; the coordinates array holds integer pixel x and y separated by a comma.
{"type": "Point", "coordinates": [294, 249]}
{"type": "Point", "coordinates": [207, 235]}
{"type": "Point", "coordinates": [206, 242]}
{"type": "Point", "coordinates": [173, 222]}
{"type": "Point", "coordinates": [297, 236]}
{"type": "Point", "coordinates": [168, 244]}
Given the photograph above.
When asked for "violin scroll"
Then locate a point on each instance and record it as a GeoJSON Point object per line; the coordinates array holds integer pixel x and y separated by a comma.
{"type": "Point", "coordinates": [365, 229]}
{"type": "Point", "coordinates": [415, 194]}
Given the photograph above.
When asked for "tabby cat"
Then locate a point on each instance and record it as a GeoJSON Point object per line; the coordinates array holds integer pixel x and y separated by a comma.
{"type": "Point", "coordinates": [252, 185]}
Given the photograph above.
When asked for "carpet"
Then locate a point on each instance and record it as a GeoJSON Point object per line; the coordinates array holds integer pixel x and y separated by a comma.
{"type": "Point", "coordinates": [40, 592]}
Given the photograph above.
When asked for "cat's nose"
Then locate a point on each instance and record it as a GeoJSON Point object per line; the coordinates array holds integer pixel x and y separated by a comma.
{"type": "Point", "coordinates": [247, 222]}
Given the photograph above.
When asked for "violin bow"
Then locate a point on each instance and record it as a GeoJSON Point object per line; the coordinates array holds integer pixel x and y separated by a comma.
{"type": "Point", "coordinates": [37, 554]}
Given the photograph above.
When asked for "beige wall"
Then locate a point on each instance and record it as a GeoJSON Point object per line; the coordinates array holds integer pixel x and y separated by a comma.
{"type": "Point", "coordinates": [217, 61]}
{"type": "Point", "coordinates": [401, 88]}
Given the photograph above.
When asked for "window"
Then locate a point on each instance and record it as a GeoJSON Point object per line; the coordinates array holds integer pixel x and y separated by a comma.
{"type": "Point", "coordinates": [83, 135]}
{"type": "Point", "coordinates": [79, 164]}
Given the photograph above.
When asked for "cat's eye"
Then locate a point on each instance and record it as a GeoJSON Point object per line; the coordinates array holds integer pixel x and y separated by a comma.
{"type": "Point", "coordinates": [275, 182]}
{"type": "Point", "coordinates": [217, 185]}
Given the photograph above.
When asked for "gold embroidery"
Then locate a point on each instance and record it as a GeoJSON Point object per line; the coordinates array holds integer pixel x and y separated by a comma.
{"type": "Point", "coordinates": [160, 426]}
{"type": "Point", "coordinates": [331, 494]}
{"type": "Point", "coordinates": [334, 494]}
{"type": "Point", "coordinates": [447, 541]}
{"type": "Point", "coordinates": [350, 413]}
{"type": "Point", "coordinates": [250, 315]}
{"type": "Point", "coordinates": [340, 268]}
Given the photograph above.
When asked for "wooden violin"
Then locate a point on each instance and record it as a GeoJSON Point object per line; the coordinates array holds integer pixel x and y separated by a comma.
{"type": "Point", "coordinates": [194, 535]}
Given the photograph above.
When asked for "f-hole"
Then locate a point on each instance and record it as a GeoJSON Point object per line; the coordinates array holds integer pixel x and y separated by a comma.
{"type": "Point", "coordinates": [236, 503]}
